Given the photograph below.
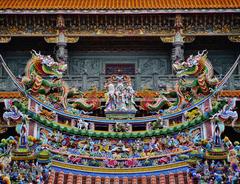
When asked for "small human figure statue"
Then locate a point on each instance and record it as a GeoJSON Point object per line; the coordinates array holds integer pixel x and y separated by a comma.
{"type": "Point", "coordinates": [217, 134]}
{"type": "Point", "coordinates": [120, 94]}
{"type": "Point", "coordinates": [111, 102]}
{"type": "Point", "coordinates": [129, 96]}
{"type": "Point", "coordinates": [23, 132]}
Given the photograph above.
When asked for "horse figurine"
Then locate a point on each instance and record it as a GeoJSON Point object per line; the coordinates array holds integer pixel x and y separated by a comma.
{"type": "Point", "coordinates": [82, 124]}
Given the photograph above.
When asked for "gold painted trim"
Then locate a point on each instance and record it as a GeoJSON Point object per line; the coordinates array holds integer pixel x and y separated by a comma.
{"type": "Point", "coordinates": [234, 38]}
{"type": "Point", "coordinates": [119, 170]}
{"type": "Point", "coordinates": [170, 39]}
{"type": "Point", "coordinates": [68, 39]}
{"type": "Point", "coordinates": [5, 39]}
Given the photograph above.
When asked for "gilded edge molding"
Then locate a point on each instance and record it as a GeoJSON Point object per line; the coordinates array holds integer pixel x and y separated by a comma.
{"type": "Point", "coordinates": [234, 38]}
{"type": "Point", "coordinates": [5, 39]}
{"type": "Point", "coordinates": [54, 39]}
{"type": "Point", "coordinates": [170, 39]}
{"type": "Point", "coordinates": [119, 170]}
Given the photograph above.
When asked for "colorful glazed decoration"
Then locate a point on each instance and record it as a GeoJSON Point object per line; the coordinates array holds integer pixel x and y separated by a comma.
{"type": "Point", "coordinates": [120, 95]}
{"type": "Point", "coordinates": [125, 132]}
{"type": "Point", "coordinates": [43, 79]}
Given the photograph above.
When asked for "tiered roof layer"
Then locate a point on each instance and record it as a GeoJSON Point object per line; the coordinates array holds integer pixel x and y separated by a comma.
{"type": "Point", "coordinates": [117, 4]}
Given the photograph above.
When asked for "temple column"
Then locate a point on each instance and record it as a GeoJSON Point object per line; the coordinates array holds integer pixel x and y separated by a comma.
{"type": "Point", "coordinates": [61, 40]}
{"type": "Point", "coordinates": [178, 51]}
{"type": "Point", "coordinates": [85, 80]}
{"type": "Point", "coordinates": [101, 80]}
{"type": "Point", "coordinates": [61, 53]}
{"type": "Point", "coordinates": [137, 76]}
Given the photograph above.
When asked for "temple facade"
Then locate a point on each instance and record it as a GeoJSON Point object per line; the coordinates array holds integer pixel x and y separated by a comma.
{"type": "Point", "coordinates": [140, 39]}
{"type": "Point", "coordinates": [119, 91]}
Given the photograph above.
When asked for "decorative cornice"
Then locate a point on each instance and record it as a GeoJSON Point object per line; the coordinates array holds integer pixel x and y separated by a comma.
{"type": "Point", "coordinates": [54, 39]}
{"type": "Point", "coordinates": [163, 25]}
{"type": "Point", "coordinates": [119, 170]}
{"type": "Point", "coordinates": [234, 38]}
{"type": "Point", "coordinates": [170, 39]}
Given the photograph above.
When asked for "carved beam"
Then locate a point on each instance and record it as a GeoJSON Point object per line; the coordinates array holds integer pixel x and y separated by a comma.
{"type": "Point", "coordinates": [55, 39]}
{"type": "Point", "coordinates": [5, 39]}
{"type": "Point", "coordinates": [171, 39]}
{"type": "Point", "coordinates": [234, 38]}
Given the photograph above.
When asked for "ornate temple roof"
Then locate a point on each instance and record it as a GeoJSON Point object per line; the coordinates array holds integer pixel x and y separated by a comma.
{"type": "Point", "coordinates": [59, 177]}
{"type": "Point", "coordinates": [117, 4]}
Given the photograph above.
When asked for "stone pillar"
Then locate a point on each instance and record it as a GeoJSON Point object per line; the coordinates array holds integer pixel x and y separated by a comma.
{"type": "Point", "coordinates": [138, 77]}
{"type": "Point", "coordinates": [61, 54]}
{"type": "Point", "coordinates": [177, 51]}
{"type": "Point", "coordinates": [155, 80]}
{"type": "Point", "coordinates": [101, 80]}
{"type": "Point", "coordinates": [84, 80]}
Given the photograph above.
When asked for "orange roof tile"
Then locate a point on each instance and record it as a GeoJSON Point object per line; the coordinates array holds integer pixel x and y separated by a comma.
{"type": "Point", "coordinates": [230, 93]}
{"type": "Point", "coordinates": [10, 94]}
{"type": "Point", "coordinates": [117, 4]}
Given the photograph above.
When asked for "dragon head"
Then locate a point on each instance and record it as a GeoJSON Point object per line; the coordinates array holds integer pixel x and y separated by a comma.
{"type": "Point", "coordinates": [193, 66]}
{"type": "Point", "coordinates": [46, 66]}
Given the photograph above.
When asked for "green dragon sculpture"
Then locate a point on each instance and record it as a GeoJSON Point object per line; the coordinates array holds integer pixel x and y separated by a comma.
{"type": "Point", "coordinates": [196, 78]}
{"type": "Point", "coordinates": [43, 76]}
{"type": "Point", "coordinates": [43, 79]}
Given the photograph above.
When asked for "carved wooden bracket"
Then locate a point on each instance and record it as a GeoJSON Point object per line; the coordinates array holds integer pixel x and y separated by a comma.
{"type": "Point", "coordinates": [234, 38]}
{"type": "Point", "coordinates": [170, 39]}
{"type": "Point", "coordinates": [5, 39]}
{"type": "Point", "coordinates": [68, 39]}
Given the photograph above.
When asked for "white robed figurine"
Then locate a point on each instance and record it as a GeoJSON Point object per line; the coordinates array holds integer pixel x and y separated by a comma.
{"type": "Point", "coordinates": [120, 95]}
